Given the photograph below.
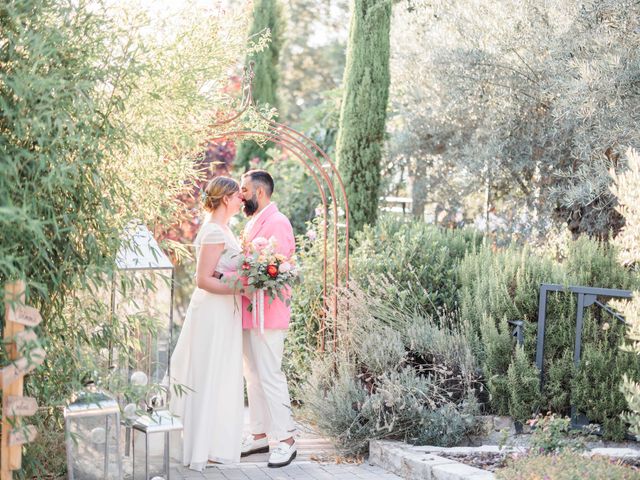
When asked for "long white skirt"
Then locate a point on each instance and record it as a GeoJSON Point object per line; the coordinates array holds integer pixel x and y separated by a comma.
{"type": "Point", "coordinates": [208, 360]}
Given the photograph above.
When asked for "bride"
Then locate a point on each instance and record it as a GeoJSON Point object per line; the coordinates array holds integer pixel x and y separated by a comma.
{"type": "Point", "coordinates": [208, 355]}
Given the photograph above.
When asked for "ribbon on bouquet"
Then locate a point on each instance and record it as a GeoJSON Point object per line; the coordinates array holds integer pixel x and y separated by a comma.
{"type": "Point", "coordinates": [257, 312]}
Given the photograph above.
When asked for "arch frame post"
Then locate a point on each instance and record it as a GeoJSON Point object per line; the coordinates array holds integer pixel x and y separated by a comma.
{"type": "Point", "coordinates": [316, 162]}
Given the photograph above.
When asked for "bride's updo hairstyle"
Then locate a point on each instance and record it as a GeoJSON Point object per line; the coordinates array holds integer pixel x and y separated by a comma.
{"type": "Point", "coordinates": [216, 190]}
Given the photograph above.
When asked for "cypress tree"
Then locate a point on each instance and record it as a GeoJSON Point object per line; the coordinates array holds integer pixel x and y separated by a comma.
{"type": "Point", "coordinates": [364, 106]}
{"type": "Point", "coordinates": [267, 14]}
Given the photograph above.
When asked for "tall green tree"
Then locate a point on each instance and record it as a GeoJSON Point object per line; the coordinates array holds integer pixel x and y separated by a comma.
{"type": "Point", "coordinates": [364, 106]}
{"type": "Point", "coordinates": [267, 17]}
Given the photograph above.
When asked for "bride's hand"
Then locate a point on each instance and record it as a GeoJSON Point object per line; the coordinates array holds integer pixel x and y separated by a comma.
{"type": "Point", "coordinates": [239, 283]}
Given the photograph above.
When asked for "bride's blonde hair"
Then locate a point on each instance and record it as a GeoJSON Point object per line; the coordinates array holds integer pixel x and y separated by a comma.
{"type": "Point", "coordinates": [217, 189]}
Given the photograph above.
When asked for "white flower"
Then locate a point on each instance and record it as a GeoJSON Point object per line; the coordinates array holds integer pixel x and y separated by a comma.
{"type": "Point", "coordinates": [311, 235]}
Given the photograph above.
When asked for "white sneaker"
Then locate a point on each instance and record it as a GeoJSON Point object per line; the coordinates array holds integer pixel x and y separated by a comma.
{"type": "Point", "coordinates": [250, 446]}
{"type": "Point", "coordinates": [282, 455]}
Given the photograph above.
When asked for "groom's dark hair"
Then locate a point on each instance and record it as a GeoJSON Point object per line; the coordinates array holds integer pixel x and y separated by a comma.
{"type": "Point", "coordinates": [263, 178]}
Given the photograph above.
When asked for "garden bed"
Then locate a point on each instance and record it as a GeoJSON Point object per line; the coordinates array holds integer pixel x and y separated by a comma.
{"type": "Point", "coordinates": [411, 461]}
{"type": "Point", "coordinates": [494, 461]}
{"type": "Point", "coordinates": [484, 460]}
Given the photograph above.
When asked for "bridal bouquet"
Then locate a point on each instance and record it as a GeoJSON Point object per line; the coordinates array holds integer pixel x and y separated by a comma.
{"type": "Point", "coordinates": [267, 272]}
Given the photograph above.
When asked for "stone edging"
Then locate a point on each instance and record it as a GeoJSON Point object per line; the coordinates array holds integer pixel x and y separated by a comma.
{"type": "Point", "coordinates": [414, 463]}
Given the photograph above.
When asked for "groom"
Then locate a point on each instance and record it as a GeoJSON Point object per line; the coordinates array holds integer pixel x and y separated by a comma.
{"type": "Point", "coordinates": [269, 403]}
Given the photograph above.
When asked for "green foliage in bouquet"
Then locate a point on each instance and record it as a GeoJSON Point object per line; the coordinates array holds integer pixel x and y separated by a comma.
{"type": "Point", "coordinates": [267, 270]}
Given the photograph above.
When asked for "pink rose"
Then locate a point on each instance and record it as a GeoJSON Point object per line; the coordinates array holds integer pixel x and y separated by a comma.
{"type": "Point", "coordinates": [285, 267]}
{"type": "Point", "coordinates": [311, 235]}
{"type": "Point", "coordinates": [259, 243]}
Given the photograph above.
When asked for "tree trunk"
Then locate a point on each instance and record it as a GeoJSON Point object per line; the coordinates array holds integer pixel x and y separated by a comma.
{"type": "Point", "coordinates": [419, 189]}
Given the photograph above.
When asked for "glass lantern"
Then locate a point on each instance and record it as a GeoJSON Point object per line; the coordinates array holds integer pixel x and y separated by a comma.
{"type": "Point", "coordinates": [92, 424]}
{"type": "Point", "coordinates": [151, 449]}
{"type": "Point", "coordinates": [146, 292]}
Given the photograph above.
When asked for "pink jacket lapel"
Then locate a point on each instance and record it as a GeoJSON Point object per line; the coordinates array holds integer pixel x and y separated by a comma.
{"type": "Point", "coordinates": [268, 212]}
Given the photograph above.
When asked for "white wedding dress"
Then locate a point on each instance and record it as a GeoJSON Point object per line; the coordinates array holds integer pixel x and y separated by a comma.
{"type": "Point", "coordinates": [208, 360]}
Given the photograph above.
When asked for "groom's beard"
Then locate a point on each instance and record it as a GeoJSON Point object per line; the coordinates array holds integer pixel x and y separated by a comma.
{"type": "Point", "coordinates": [250, 206]}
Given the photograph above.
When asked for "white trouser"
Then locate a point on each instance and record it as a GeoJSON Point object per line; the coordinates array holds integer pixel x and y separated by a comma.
{"type": "Point", "coordinates": [269, 402]}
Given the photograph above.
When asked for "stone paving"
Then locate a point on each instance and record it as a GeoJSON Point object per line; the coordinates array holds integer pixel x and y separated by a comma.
{"type": "Point", "coordinates": [298, 470]}
{"type": "Point", "coordinates": [316, 460]}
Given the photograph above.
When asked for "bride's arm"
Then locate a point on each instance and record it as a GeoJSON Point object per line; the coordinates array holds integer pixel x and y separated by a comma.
{"type": "Point", "coordinates": [208, 260]}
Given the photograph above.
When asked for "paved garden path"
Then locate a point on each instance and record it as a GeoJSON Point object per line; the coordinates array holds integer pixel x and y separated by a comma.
{"type": "Point", "coordinates": [316, 460]}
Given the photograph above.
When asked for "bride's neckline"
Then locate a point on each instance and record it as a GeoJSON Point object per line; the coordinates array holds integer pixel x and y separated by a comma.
{"type": "Point", "coordinates": [225, 226]}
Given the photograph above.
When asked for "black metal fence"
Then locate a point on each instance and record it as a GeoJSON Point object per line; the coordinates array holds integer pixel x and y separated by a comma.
{"type": "Point", "coordinates": [586, 297]}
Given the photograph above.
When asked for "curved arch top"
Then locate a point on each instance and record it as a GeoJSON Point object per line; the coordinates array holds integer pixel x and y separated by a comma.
{"type": "Point", "coordinates": [325, 175]}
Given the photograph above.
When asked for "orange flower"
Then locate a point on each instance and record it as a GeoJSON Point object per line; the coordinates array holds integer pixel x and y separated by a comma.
{"type": "Point", "coordinates": [272, 271]}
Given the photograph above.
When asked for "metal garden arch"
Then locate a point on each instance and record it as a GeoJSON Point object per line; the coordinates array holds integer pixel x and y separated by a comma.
{"type": "Point", "coordinates": [325, 175]}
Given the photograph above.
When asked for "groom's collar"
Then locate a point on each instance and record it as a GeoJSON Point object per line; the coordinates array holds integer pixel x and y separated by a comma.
{"type": "Point", "coordinates": [257, 216]}
{"type": "Point", "coordinates": [260, 218]}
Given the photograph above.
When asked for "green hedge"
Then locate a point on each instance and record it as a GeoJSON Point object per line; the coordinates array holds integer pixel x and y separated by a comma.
{"type": "Point", "coordinates": [396, 374]}
{"type": "Point", "coordinates": [453, 277]}
{"type": "Point", "coordinates": [419, 258]}
{"type": "Point", "coordinates": [504, 285]}
{"type": "Point", "coordinates": [414, 254]}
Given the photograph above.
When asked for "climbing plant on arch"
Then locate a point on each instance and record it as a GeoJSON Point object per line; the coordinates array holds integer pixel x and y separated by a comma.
{"type": "Point", "coordinates": [335, 270]}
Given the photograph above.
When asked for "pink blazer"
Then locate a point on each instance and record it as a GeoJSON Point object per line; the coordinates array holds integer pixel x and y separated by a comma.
{"type": "Point", "coordinates": [271, 223]}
